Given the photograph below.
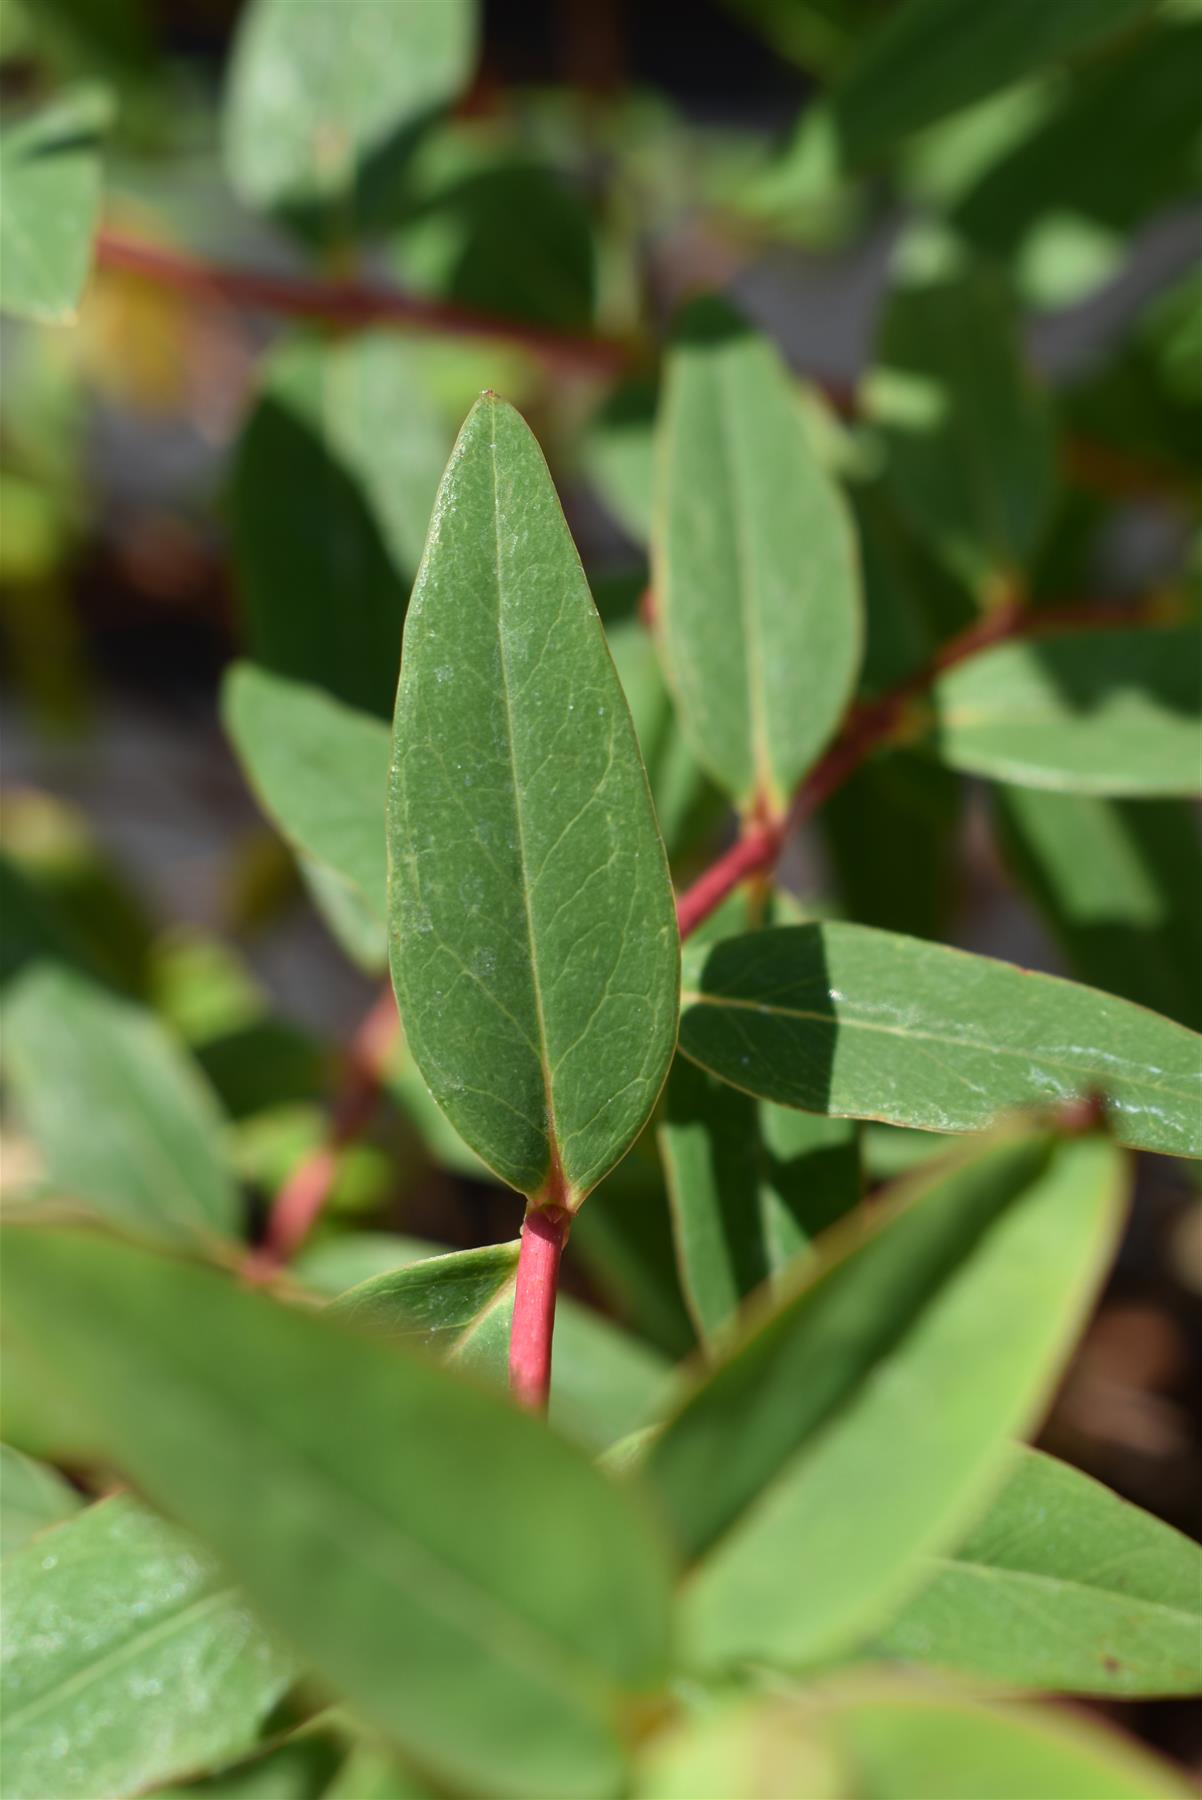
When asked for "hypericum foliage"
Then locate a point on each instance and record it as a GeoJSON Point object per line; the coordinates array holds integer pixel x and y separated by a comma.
{"type": "Point", "coordinates": [842, 1192]}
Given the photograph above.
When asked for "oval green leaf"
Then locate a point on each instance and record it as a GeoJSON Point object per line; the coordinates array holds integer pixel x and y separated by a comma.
{"type": "Point", "coordinates": [534, 948]}
{"type": "Point", "coordinates": [842, 1019]}
{"type": "Point", "coordinates": [754, 563]}
{"type": "Point", "coordinates": [50, 173]}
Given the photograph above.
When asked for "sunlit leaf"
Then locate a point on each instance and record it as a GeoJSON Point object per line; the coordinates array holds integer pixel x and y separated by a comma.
{"type": "Point", "coordinates": [50, 170]}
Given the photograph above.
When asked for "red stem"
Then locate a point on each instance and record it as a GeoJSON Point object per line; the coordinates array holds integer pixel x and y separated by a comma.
{"type": "Point", "coordinates": [544, 1234]}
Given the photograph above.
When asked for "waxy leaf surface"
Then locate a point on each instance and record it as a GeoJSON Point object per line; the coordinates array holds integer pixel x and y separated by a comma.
{"type": "Point", "coordinates": [533, 934]}
{"type": "Point", "coordinates": [751, 1184]}
{"type": "Point", "coordinates": [416, 1538]}
{"type": "Point", "coordinates": [939, 1323]}
{"type": "Point", "coordinates": [1061, 1586]}
{"type": "Point", "coordinates": [320, 771]}
{"type": "Point", "coordinates": [32, 1496]}
{"type": "Point", "coordinates": [125, 1122]}
{"type": "Point", "coordinates": [1101, 712]}
{"type": "Point", "coordinates": [131, 1659]}
{"type": "Point", "coordinates": [754, 565]}
{"type": "Point", "coordinates": [50, 172]}
{"type": "Point", "coordinates": [842, 1019]}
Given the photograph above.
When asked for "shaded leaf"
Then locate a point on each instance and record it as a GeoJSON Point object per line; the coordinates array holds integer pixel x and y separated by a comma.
{"type": "Point", "coordinates": [131, 1659]}
{"type": "Point", "coordinates": [1061, 1586]}
{"type": "Point", "coordinates": [1102, 712]}
{"type": "Point", "coordinates": [893, 836]}
{"type": "Point", "coordinates": [752, 1185]}
{"type": "Point", "coordinates": [124, 1120]}
{"type": "Point", "coordinates": [754, 565]}
{"type": "Point", "coordinates": [618, 449]}
{"type": "Point", "coordinates": [534, 947]}
{"type": "Point", "coordinates": [843, 1019]}
{"type": "Point", "coordinates": [32, 1496]}
{"type": "Point", "coordinates": [421, 1546]}
{"type": "Point", "coordinates": [50, 170]}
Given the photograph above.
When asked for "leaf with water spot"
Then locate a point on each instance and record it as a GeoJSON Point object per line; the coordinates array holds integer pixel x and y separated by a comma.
{"type": "Point", "coordinates": [534, 948]}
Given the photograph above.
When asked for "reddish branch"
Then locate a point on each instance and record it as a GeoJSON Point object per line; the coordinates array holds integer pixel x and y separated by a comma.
{"type": "Point", "coordinates": [544, 1234]}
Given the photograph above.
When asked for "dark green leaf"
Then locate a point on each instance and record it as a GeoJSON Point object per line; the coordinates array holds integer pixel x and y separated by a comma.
{"type": "Point", "coordinates": [125, 1122]}
{"type": "Point", "coordinates": [32, 1496]}
{"type": "Point", "coordinates": [50, 170]}
{"type": "Point", "coordinates": [756, 584]}
{"type": "Point", "coordinates": [333, 482]}
{"type": "Point", "coordinates": [1116, 882]}
{"type": "Point", "coordinates": [131, 1659]}
{"type": "Point", "coordinates": [418, 1539]}
{"type": "Point", "coordinates": [317, 89]}
{"type": "Point", "coordinates": [534, 941]}
{"type": "Point", "coordinates": [1102, 712]}
{"type": "Point", "coordinates": [1061, 1586]}
{"type": "Point", "coordinates": [842, 1019]}
{"type": "Point", "coordinates": [752, 1185]}
{"type": "Point", "coordinates": [892, 831]}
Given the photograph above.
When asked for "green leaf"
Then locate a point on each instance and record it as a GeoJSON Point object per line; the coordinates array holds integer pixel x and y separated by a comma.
{"type": "Point", "coordinates": [938, 1324]}
{"type": "Point", "coordinates": [928, 58]}
{"type": "Point", "coordinates": [1061, 1586]}
{"type": "Point", "coordinates": [438, 1301]}
{"type": "Point", "coordinates": [333, 481]}
{"type": "Point", "coordinates": [965, 430]}
{"type": "Point", "coordinates": [32, 1496]}
{"type": "Point", "coordinates": [318, 89]}
{"type": "Point", "coordinates": [749, 1750]}
{"type": "Point", "coordinates": [353, 922]}
{"type": "Point", "coordinates": [1115, 881]}
{"type": "Point", "coordinates": [534, 947]}
{"type": "Point", "coordinates": [420, 1546]}
{"type": "Point", "coordinates": [124, 1120]}
{"type": "Point", "coordinates": [1101, 712]}
{"type": "Point", "coordinates": [756, 584]}
{"type": "Point", "coordinates": [320, 771]}
{"type": "Point", "coordinates": [618, 451]}
{"type": "Point", "coordinates": [50, 172]}
{"type": "Point", "coordinates": [751, 1184]}
{"type": "Point", "coordinates": [893, 837]}
{"type": "Point", "coordinates": [843, 1019]}
{"type": "Point", "coordinates": [131, 1659]}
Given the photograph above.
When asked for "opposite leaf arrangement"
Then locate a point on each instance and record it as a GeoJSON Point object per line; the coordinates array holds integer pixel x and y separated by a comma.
{"type": "Point", "coordinates": [787, 1537]}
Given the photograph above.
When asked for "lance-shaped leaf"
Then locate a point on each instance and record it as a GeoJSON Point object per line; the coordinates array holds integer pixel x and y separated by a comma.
{"type": "Point", "coordinates": [417, 1539]}
{"type": "Point", "coordinates": [125, 1121]}
{"type": "Point", "coordinates": [50, 172]}
{"type": "Point", "coordinates": [940, 1325]}
{"type": "Point", "coordinates": [32, 1497]}
{"type": "Point", "coordinates": [751, 1186]}
{"type": "Point", "coordinates": [319, 87]}
{"type": "Point", "coordinates": [534, 948]}
{"type": "Point", "coordinates": [1061, 1586]}
{"type": "Point", "coordinates": [843, 1019]}
{"type": "Point", "coordinates": [131, 1659]}
{"type": "Point", "coordinates": [756, 582]}
{"type": "Point", "coordinates": [1100, 712]}
{"type": "Point", "coordinates": [320, 771]}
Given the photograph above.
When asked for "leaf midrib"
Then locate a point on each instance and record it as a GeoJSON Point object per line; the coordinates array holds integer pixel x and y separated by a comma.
{"type": "Point", "coordinates": [954, 1565]}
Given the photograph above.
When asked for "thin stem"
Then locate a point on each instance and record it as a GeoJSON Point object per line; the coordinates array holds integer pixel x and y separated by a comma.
{"type": "Point", "coordinates": [544, 1234]}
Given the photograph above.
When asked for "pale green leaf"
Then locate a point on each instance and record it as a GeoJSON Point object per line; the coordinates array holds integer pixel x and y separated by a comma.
{"type": "Point", "coordinates": [418, 1540]}
{"type": "Point", "coordinates": [129, 1659]}
{"type": "Point", "coordinates": [754, 563]}
{"type": "Point", "coordinates": [843, 1019]}
{"type": "Point", "coordinates": [50, 173]}
{"type": "Point", "coordinates": [1101, 712]}
{"type": "Point", "coordinates": [1061, 1586]}
{"type": "Point", "coordinates": [32, 1496]}
{"type": "Point", "coordinates": [534, 943]}
{"type": "Point", "coordinates": [319, 87]}
{"type": "Point", "coordinates": [124, 1120]}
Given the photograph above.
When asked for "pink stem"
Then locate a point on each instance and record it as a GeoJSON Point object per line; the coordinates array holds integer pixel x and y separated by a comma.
{"type": "Point", "coordinates": [544, 1234]}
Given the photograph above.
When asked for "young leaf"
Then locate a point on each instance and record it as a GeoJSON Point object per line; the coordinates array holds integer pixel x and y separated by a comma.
{"type": "Point", "coordinates": [534, 947]}
{"type": "Point", "coordinates": [320, 770]}
{"type": "Point", "coordinates": [1102, 712]}
{"type": "Point", "coordinates": [751, 1185]}
{"type": "Point", "coordinates": [754, 563]}
{"type": "Point", "coordinates": [1061, 1586]}
{"type": "Point", "coordinates": [1116, 882]}
{"type": "Point", "coordinates": [124, 1120]}
{"type": "Point", "coordinates": [941, 1329]}
{"type": "Point", "coordinates": [32, 1496]}
{"type": "Point", "coordinates": [422, 1546]}
{"type": "Point", "coordinates": [50, 173]}
{"type": "Point", "coordinates": [317, 88]}
{"type": "Point", "coordinates": [842, 1019]}
{"type": "Point", "coordinates": [131, 1659]}
{"type": "Point", "coordinates": [965, 430]}
{"type": "Point", "coordinates": [333, 481]}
